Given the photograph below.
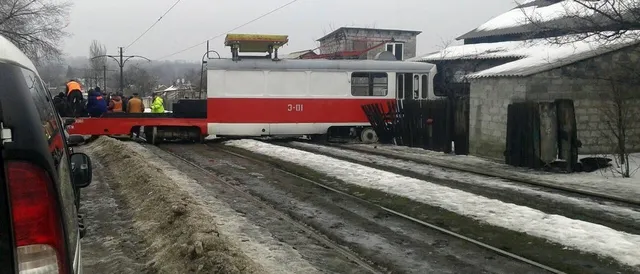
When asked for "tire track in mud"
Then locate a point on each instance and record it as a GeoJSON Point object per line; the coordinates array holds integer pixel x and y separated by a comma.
{"type": "Point", "coordinates": [111, 244]}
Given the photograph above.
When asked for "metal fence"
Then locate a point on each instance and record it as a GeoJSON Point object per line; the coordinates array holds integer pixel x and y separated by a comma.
{"type": "Point", "coordinates": [429, 124]}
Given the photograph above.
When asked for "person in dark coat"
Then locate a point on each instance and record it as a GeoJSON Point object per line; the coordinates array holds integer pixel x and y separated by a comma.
{"type": "Point", "coordinates": [125, 101]}
{"type": "Point", "coordinates": [60, 103]}
{"type": "Point", "coordinates": [96, 104]}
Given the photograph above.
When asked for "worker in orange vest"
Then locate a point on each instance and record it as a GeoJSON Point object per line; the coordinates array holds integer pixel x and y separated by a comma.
{"type": "Point", "coordinates": [74, 96]}
{"type": "Point", "coordinates": [115, 105]}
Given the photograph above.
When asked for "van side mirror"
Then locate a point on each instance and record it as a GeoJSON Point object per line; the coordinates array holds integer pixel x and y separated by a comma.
{"type": "Point", "coordinates": [69, 121]}
{"type": "Point", "coordinates": [81, 170]}
{"type": "Point", "coordinates": [74, 140]}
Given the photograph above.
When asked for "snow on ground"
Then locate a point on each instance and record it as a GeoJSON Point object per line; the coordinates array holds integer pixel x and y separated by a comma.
{"type": "Point", "coordinates": [604, 182]}
{"type": "Point", "coordinates": [470, 178]}
{"type": "Point", "coordinates": [575, 234]}
{"type": "Point", "coordinates": [257, 243]}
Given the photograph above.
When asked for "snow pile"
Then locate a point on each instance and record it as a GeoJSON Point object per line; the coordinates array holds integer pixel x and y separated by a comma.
{"type": "Point", "coordinates": [256, 242]}
{"type": "Point", "coordinates": [575, 234]}
{"type": "Point", "coordinates": [473, 179]}
{"type": "Point", "coordinates": [172, 222]}
{"type": "Point", "coordinates": [596, 182]}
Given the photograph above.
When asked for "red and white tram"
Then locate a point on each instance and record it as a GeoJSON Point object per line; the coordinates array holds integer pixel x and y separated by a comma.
{"type": "Point", "coordinates": [251, 97]}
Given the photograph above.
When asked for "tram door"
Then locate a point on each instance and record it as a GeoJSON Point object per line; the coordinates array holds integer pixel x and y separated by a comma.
{"type": "Point", "coordinates": [412, 87]}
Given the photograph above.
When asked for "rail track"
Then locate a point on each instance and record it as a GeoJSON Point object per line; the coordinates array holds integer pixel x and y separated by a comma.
{"type": "Point", "coordinates": [498, 251]}
{"type": "Point", "coordinates": [621, 216]}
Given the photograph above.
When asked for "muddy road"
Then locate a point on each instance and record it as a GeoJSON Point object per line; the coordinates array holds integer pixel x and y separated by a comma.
{"type": "Point", "coordinates": [391, 243]}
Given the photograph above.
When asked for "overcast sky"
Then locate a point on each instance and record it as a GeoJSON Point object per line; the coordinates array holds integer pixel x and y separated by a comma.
{"type": "Point", "coordinates": [118, 22]}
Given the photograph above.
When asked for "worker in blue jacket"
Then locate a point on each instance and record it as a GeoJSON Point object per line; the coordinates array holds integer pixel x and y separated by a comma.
{"type": "Point", "coordinates": [96, 104]}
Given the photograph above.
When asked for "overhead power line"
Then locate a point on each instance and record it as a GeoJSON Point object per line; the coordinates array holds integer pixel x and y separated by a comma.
{"type": "Point", "coordinates": [224, 33]}
{"type": "Point", "coordinates": [154, 24]}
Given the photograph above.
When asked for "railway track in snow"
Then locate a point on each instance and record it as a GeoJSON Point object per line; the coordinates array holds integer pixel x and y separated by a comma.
{"type": "Point", "coordinates": [619, 215]}
{"type": "Point", "coordinates": [430, 226]}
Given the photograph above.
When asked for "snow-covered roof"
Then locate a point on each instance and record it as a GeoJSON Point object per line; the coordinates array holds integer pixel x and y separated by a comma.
{"type": "Point", "coordinates": [551, 13]}
{"type": "Point", "coordinates": [535, 56]}
{"type": "Point", "coordinates": [10, 53]}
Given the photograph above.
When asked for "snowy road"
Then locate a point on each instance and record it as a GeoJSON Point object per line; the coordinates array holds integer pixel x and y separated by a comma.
{"type": "Point", "coordinates": [158, 213]}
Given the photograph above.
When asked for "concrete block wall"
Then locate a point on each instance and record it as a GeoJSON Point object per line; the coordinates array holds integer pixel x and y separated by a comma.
{"type": "Point", "coordinates": [594, 110]}
{"type": "Point", "coordinates": [489, 100]}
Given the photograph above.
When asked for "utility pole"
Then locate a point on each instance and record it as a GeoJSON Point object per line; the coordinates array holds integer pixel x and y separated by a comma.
{"type": "Point", "coordinates": [121, 71]}
{"type": "Point", "coordinates": [104, 78]}
{"type": "Point", "coordinates": [121, 59]}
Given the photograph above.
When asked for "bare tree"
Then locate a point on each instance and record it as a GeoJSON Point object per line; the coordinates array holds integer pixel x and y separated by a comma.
{"type": "Point", "coordinates": [35, 26]}
{"type": "Point", "coordinates": [98, 64]}
{"type": "Point", "coordinates": [603, 20]}
{"type": "Point", "coordinates": [620, 112]}
{"type": "Point", "coordinates": [139, 80]}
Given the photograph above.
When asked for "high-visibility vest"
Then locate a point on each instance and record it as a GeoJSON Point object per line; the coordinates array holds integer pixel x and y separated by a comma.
{"type": "Point", "coordinates": [73, 85]}
{"type": "Point", "coordinates": [117, 106]}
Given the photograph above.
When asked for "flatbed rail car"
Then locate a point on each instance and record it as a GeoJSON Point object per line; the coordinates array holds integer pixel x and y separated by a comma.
{"type": "Point", "coordinates": [253, 97]}
{"type": "Point", "coordinates": [155, 127]}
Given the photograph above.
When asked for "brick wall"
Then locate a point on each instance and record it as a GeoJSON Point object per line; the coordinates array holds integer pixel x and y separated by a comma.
{"type": "Point", "coordinates": [579, 81]}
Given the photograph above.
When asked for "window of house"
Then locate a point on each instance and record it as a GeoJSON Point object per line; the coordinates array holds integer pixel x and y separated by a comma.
{"type": "Point", "coordinates": [397, 49]}
{"type": "Point", "coordinates": [369, 84]}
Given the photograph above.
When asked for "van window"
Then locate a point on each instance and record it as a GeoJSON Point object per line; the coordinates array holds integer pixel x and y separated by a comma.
{"type": "Point", "coordinates": [369, 84]}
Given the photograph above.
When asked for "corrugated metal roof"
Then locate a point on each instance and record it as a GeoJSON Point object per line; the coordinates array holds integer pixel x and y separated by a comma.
{"type": "Point", "coordinates": [556, 56]}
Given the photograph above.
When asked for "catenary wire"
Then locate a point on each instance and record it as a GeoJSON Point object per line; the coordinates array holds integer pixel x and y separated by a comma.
{"type": "Point", "coordinates": [154, 24]}
{"type": "Point", "coordinates": [222, 34]}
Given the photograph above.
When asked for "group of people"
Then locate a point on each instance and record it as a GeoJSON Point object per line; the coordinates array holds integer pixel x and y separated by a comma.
{"type": "Point", "coordinates": [72, 104]}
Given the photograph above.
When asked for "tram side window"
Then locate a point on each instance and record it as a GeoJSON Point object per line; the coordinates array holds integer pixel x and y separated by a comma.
{"type": "Point", "coordinates": [360, 84]}
{"type": "Point", "coordinates": [369, 84]}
